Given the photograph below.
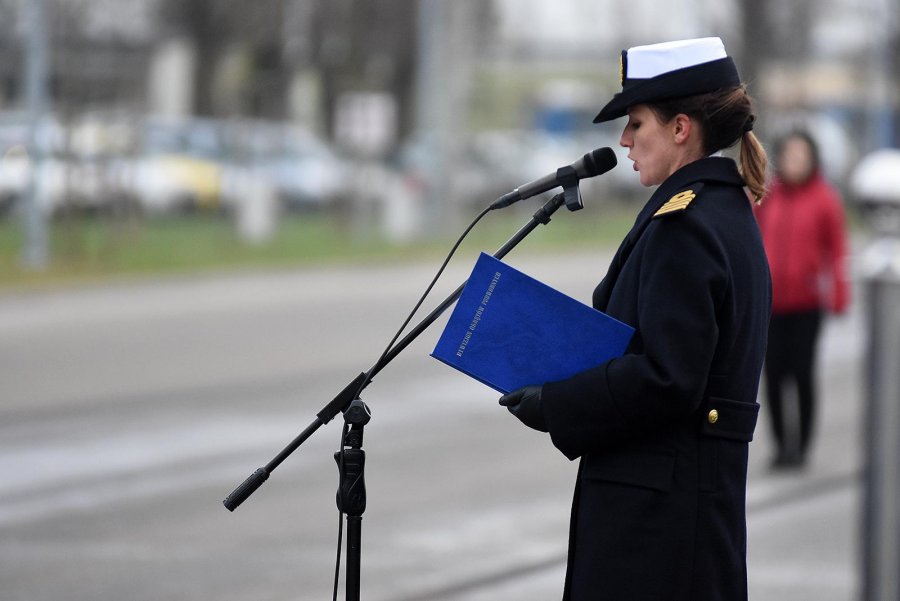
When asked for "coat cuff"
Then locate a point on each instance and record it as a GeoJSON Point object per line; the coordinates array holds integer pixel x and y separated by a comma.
{"type": "Point", "coordinates": [581, 414]}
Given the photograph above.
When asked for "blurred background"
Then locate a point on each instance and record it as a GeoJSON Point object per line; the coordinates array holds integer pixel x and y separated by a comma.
{"type": "Point", "coordinates": [214, 214]}
{"type": "Point", "coordinates": [385, 119]}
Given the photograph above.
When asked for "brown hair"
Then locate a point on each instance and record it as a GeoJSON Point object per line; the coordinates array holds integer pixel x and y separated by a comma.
{"type": "Point", "coordinates": [725, 117]}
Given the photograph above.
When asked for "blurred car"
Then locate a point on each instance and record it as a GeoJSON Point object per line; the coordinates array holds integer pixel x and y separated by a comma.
{"type": "Point", "coordinates": [300, 168]}
{"type": "Point", "coordinates": [479, 171]}
{"type": "Point", "coordinates": [517, 157]}
{"type": "Point", "coordinates": [100, 150]}
{"type": "Point", "coordinates": [179, 166]}
{"type": "Point", "coordinates": [17, 158]}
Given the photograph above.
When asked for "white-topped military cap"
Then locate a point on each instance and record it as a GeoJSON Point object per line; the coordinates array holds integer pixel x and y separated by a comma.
{"type": "Point", "coordinates": [670, 70]}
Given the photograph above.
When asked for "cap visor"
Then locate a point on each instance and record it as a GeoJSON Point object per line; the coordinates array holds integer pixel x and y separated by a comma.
{"type": "Point", "coordinates": [615, 108]}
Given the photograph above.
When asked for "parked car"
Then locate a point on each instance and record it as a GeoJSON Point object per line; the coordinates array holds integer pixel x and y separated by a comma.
{"type": "Point", "coordinates": [101, 148]}
{"type": "Point", "coordinates": [179, 166]}
{"type": "Point", "coordinates": [83, 163]}
{"type": "Point", "coordinates": [301, 169]}
{"type": "Point", "coordinates": [475, 175]}
{"type": "Point", "coordinates": [18, 156]}
{"type": "Point", "coordinates": [492, 163]}
{"type": "Point", "coordinates": [534, 153]}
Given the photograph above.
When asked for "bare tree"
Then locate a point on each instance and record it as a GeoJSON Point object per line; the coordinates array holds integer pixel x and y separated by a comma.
{"type": "Point", "coordinates": [360, 45]}
{"type": "Point", "coordinates": [352, 45]}
{"type": "Point", "coordinates": [209, 24]}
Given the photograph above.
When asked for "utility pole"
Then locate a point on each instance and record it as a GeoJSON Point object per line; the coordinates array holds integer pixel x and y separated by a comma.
{"type": "Point", "coordinates": [880, 103]}
{"type": "Point", "coordinates": [445, 40]}
{"type": "Point", "coordinates": [35, 254]}
{"type": "Point", "coordinates": [431, 127]}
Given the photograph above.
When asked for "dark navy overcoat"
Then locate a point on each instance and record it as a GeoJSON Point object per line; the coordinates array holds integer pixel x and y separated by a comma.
{"type": "Point", "coordinates": [662, 432]}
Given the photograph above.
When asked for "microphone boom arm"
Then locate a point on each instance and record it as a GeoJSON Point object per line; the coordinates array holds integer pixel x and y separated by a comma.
{"type": "Point", "coordinates": [347, 395]}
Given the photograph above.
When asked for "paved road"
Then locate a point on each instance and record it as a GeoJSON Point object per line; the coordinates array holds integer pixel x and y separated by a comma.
{"type": "Point", "coordinates": [129, 411]}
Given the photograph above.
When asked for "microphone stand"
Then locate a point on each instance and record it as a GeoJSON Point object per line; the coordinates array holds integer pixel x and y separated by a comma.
{"type": "Point", "coordinates": [351, 493]}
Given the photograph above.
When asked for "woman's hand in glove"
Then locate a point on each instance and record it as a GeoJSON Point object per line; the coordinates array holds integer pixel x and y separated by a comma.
{"type": "Point", "coordinates": [525, 403]}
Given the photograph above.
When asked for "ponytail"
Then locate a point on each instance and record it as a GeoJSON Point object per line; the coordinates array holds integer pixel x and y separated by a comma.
{"type": "Point", "coordinates": [753, 162]}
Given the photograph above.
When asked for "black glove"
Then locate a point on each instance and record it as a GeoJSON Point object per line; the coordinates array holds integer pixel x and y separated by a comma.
{"type": "Point", "coordinates": [525, 403]}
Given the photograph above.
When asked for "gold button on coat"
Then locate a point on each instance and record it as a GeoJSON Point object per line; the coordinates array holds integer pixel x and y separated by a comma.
{"type": "Point", "coordinates": [713, 416]}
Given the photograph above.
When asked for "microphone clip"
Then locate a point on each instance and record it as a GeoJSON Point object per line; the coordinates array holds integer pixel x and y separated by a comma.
{"type": "Point", "coordinates": [568, 178]}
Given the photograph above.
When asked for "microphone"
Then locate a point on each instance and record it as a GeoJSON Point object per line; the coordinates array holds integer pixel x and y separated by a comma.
{"type": "Point", "coordinates": [596, 162]}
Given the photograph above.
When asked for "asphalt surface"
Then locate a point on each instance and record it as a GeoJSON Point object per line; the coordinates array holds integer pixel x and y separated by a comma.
{"type": "Point", "coordinates": [129, 411]}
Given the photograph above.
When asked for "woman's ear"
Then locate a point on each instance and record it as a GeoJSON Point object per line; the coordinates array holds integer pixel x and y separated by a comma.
{"type": "Point", "coordinates": [682, 128]}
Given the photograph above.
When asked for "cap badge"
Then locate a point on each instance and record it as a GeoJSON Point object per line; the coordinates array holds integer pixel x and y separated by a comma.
{"type": "Point", "coordinates": [679, 202]}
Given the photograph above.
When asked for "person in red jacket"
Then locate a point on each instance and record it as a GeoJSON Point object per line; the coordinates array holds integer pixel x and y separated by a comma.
{"type": "Point", "coordinates": [802, 224]}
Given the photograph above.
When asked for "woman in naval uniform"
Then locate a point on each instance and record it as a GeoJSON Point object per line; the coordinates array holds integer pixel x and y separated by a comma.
{"type": "Point", "coordinates": [662, 432]}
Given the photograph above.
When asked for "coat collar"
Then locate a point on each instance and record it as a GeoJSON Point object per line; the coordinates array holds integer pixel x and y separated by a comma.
{"type": "Point", "coordinates": [719, 170]}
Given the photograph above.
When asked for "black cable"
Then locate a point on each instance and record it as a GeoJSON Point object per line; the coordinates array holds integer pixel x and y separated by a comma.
{"type": "Point", "coordinates": [337, 561]}
{"type": "Point", "coordinates": [380, 363]}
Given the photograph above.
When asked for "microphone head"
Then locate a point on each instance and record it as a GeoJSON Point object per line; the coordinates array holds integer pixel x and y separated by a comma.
{"type": "Point", "coordinates": [599, 161]}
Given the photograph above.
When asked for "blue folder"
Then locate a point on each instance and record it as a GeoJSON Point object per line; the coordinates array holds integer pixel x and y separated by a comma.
{"type": "Point", "coordinates": [510, 330]}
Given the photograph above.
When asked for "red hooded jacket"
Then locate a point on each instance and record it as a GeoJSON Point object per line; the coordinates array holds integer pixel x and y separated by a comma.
{"type": "Point", "coordinates": [804, 234]}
